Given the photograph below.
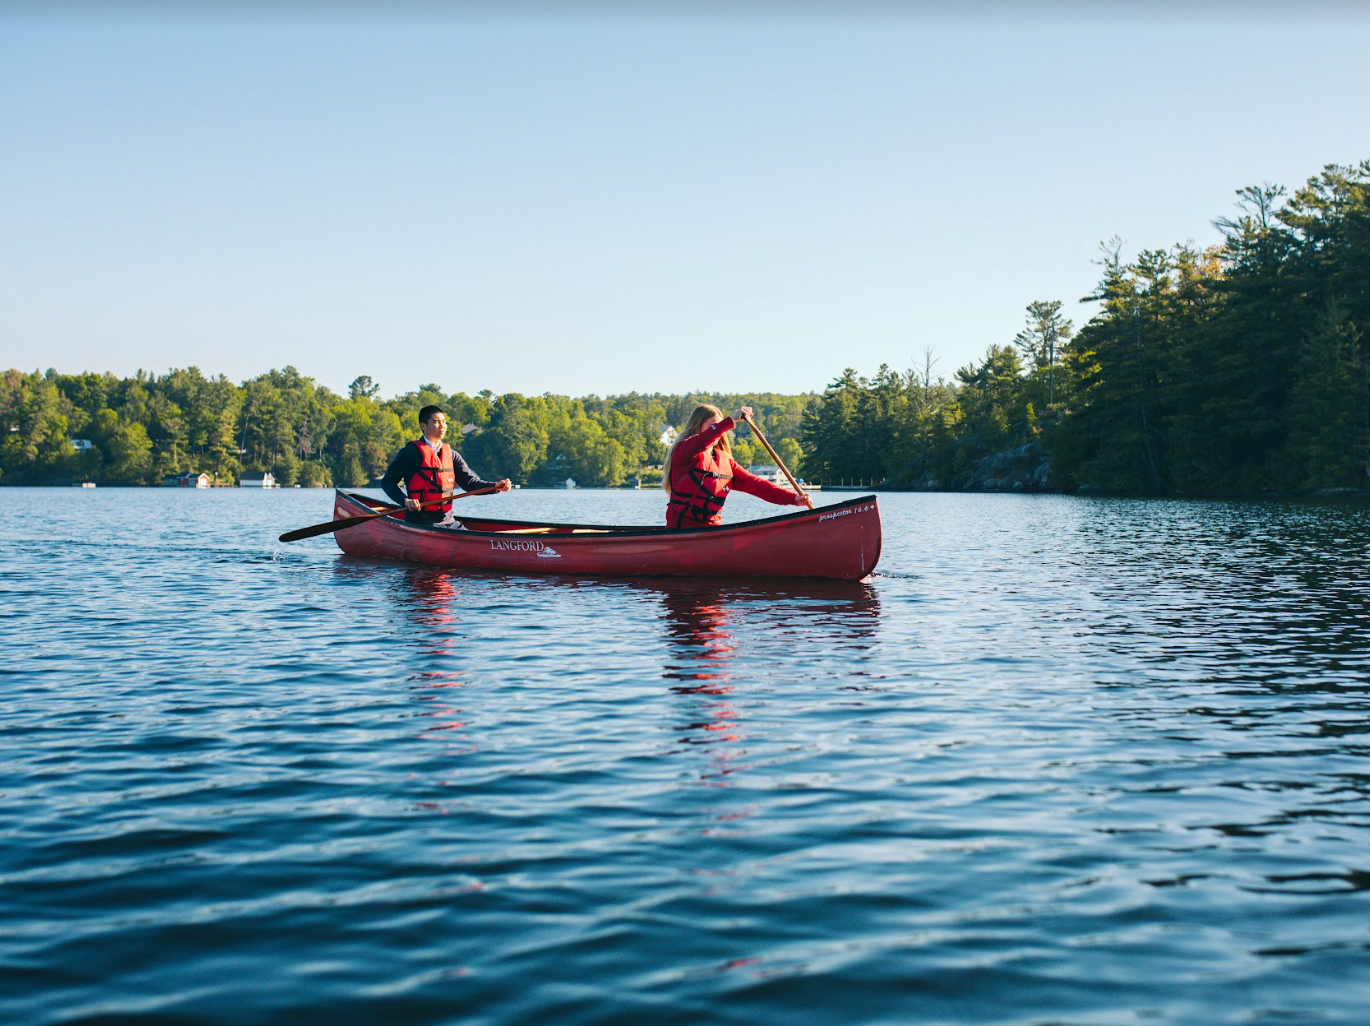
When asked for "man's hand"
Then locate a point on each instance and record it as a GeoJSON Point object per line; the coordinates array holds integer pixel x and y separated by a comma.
{"type": "Point", "coordinates": [745, 413]}
{"type": "Point", "coordinates": [503, 486]}
{"type": "Point", "coordinates": [412, 504]}
{"type": "Point", "coordinates": [802, 499]}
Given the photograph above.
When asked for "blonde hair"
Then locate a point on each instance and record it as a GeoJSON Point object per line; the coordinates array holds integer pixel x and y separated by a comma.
{"type": "Point", "coordinates": [693, 426]}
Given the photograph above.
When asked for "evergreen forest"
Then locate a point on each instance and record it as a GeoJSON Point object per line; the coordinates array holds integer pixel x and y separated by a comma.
{"type": "Point", "coordinates": [1239, 368]}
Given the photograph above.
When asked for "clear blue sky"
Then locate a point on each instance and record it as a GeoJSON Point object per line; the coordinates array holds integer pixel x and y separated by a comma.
{"type": "Point", "coordinates": [605, 200]}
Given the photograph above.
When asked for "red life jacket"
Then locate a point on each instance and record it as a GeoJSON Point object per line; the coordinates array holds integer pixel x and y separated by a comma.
{"type": "Point", "coordinates": [434, 479]}
{"type": "Point", "coordinates": [698, 488]}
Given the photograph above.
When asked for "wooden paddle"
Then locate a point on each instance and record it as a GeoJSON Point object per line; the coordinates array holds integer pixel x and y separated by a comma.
{"type": "Point", "coordinates": [341, 525]}
{"type": "Point", "coordinates": [778, 461]}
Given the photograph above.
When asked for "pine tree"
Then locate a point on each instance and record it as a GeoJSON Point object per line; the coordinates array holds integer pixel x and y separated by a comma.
{"type": "Point", "coordinates": [1043, 339]}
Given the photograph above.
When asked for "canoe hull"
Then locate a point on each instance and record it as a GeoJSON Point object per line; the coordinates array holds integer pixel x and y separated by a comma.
{"type": "Point", "coordinates": [841, 541]}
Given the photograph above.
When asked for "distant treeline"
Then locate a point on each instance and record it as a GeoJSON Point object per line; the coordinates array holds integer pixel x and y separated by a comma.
{"type": "Point", "coordinates": [1240, 368]}
{"type": "Point", "coordinates": [145, 428]}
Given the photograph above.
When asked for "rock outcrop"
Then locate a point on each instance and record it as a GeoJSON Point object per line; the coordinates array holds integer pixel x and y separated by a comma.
{"type": "Point", "coordinates": [1024, 469]}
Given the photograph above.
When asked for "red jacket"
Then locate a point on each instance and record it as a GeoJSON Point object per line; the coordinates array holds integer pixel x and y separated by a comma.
{"type": "Point", "coordinates": [701, 477]}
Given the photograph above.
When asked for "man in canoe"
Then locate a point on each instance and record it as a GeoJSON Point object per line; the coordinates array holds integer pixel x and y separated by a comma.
{"type": "Point", "coordinates": [700, 471]}
{"type": "Point", "coordinates": [430, 470]}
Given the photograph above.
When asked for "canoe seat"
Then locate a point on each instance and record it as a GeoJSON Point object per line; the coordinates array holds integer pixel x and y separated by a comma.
{"type": "Point", "coordinates": [553, 530]}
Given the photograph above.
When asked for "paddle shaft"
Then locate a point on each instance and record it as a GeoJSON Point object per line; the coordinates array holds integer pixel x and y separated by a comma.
{"type": "Point", "coordinates": [778, 461]}
{"type": "Point", "coordinates": [328, 527]}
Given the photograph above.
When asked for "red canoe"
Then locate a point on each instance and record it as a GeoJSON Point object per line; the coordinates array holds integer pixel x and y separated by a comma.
{"type": "Point", "coordinates": [839, 541]}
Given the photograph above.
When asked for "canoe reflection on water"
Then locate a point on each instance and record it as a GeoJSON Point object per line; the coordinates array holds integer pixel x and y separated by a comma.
{"type": "Point", "coordinates": [720, 635]}
{"type": "Point", "coordinates": [716, 634]}
{"type": "Point", "coordinates": [430, 600]}
{"type": "Point", "coordinates": [708, 622]}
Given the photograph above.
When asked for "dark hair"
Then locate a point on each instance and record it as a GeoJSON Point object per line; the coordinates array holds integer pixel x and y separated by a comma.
{"type": "Point", "coordinates": [426, 414]}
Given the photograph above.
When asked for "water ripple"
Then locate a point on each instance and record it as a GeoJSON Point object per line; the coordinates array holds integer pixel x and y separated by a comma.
{"type": "Point", "coordinates": [1060, 761]}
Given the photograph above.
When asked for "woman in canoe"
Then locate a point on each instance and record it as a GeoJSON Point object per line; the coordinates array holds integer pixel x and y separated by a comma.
{"type": "Point", "coordinates": [700, 471]}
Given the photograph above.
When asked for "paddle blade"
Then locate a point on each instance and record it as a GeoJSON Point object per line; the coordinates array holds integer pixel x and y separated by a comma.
{"type": "Point", "coordinates": [327, 528]}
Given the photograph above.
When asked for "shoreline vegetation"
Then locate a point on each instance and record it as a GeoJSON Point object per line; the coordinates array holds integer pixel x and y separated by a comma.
{"type": "Point", "coordinates": [61, 429]}
{"type": "Point", "coordinates": [1238, 369]}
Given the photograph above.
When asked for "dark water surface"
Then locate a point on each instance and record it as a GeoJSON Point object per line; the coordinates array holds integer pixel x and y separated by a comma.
{"type": "Point", "coordinates": [1062, 760]}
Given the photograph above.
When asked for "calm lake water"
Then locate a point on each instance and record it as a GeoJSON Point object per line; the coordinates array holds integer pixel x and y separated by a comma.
{"type": "Point", "coordinates": [1061, 761]}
